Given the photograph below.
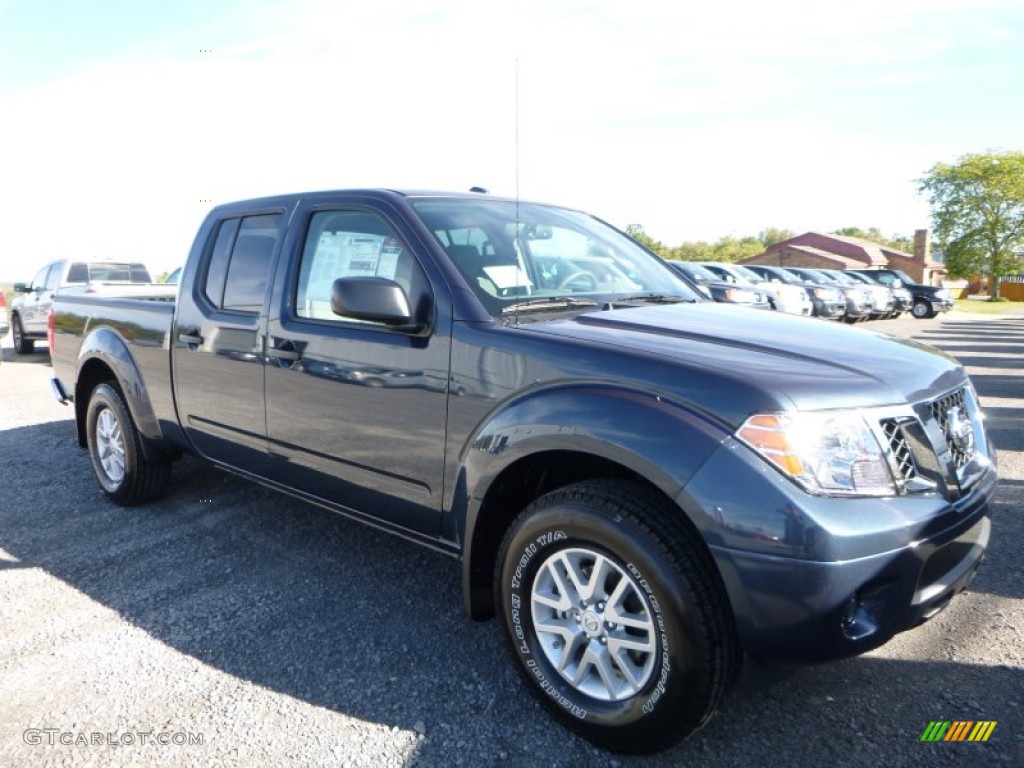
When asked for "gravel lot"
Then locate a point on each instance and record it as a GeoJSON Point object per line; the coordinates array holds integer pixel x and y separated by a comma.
{"type": "Point", "coordinates": [276, 633]}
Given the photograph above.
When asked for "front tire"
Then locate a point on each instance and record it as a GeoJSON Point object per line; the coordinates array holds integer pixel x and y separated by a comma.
{"type": "Point", "coordinates": [128, 473]}
{"type": "Point", "coordinates": [22, 346]}
{"type": "Point", "coordinates": [922, 310]}
{"type": "Point", "coordinates": [615, 613]}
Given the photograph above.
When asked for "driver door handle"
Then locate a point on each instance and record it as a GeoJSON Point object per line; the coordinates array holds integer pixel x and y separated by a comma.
{"type": "Point", "coordinates": [190, 336]}
{"type": "Point", "coordinates": [284, 349]}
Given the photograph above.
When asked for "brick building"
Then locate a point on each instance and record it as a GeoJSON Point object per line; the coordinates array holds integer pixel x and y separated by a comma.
{"type": "Point", "coordinates": [818, 250]}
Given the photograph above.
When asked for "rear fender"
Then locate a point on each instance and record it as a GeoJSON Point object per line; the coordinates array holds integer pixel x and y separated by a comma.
{"type": "Point", "coordinates": [107, 347]}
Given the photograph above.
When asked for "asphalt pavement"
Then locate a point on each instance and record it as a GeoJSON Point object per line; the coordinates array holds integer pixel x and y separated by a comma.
{"type": "Point", "coordinates": [227, 625]}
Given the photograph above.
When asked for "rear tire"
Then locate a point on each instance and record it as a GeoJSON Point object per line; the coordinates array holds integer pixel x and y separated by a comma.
{"type": "Point", "coordinates": [616, 616]}
{"type": "Point", "coordinates": [127, 471]}
{"type": "Point", "coordinates": [22, 346]}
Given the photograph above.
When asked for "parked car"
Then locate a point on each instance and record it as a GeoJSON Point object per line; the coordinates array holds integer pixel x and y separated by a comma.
{"type": "Point", "coordinates": [641, 484]}
{"type": "Point", "coordinates": [858, 298]}
{"type": "Point", "coordinates": [828, 302]}
{"type": "Point", "coordinates": [4, 322]}
{"type": "Point", "coordinates": [791, 299]}
{"type": "Point", "coordinates": [882, 300]}
{"type": "Point", "coordinates": [31, 309]}
{"type": "Point", "coordinates": [928, 300]}
{"type": "Point", "coordinates": [719, 290]}
{"type": "Point", "coordinates": [902, 299]}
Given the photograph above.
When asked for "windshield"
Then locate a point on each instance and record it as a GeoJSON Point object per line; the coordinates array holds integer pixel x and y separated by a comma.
{"type": "Point", "coordinates": [860, 278]}
{"type": "Point", "coordinates": [893, 277]}
{"type": "Point", "coordinates": [748, 275]}
{"type": "Point", "coordinates": [812, 276]}
{"type": "Point", "coordinates": [842, 277]}
{"type": "Point", "coordinates": [697, 273]}
{"type": "Point", "coordinates": [510, 253]}
{"type": "Point", "coordinates": [789, 277]}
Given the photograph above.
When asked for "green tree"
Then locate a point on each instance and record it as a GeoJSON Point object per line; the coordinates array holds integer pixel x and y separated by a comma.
{"type": "Point", "coordinates": [978, 213]}
{"type": "Point", "coordinates": [874, 234]}
{"type": "Point", "coordinates": [732, 249]}
{"type": "Point", "coordinates": [636, 231]}
{"type": "Point", "coordinates": [772, 235]}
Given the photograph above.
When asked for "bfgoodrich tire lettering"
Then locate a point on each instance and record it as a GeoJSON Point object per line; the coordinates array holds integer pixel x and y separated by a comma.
{"type": "Point", "coordinates": [615, 615]}
{"type": "Point", "coordinates": [127, 473]}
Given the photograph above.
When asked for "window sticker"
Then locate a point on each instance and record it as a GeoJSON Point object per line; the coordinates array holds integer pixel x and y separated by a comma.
{"type": "Point", "coordinates": [508, 276]}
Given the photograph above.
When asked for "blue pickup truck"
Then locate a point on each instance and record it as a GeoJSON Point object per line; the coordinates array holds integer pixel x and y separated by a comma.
{"type": "Point", "coordinates": [642, 485]}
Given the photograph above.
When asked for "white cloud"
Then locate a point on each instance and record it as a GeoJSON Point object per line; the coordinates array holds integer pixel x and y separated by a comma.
{"type": "Point", "coordinates": [696, 121]}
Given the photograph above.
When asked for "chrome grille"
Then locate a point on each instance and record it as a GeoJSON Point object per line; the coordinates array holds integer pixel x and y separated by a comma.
{"type": "Point", "coordinates": [943, 411]}
{"type": "Point", "coordinates": [900, 447]}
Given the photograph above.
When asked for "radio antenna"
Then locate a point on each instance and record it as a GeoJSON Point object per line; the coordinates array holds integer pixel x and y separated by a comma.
{"type": "Point", "coordinates": [517, 243]}
{"type": "Point", "coordinates": [517, 140]}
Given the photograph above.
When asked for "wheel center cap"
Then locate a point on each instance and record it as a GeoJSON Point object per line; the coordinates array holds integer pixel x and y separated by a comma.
{"type": "Point", "coordinates": [591, 623]}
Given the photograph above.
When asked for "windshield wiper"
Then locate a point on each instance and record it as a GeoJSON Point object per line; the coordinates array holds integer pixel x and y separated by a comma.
{"type": "Point", "coordinates": [655, 298]}
{"type": "Point", "coordinates": [548, 302]}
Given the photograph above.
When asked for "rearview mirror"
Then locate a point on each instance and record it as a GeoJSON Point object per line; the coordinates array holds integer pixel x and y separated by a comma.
{"type": "Point", "coordinates": [375, 299]}
{"type": "Point", "coordinates": [20, 288]}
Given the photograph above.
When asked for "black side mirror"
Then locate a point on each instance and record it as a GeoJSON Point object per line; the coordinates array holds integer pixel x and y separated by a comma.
{"type": "Point", "coordinates": [20, 288]}
{"type": "Point", "coordinates": [375, 299]}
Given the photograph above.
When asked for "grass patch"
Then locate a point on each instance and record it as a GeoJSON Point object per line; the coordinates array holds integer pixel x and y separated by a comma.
{"type": "Point", "coordinates": [983, 307]}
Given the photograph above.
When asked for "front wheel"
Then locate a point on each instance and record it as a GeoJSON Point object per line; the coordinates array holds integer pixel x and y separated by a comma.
{"type": "Point", "coordinates": [616, 616]}
{"type": "Point", "coordinates": [922, 310]}
{"type": "Point", "coordinates": [22, 345]}
{"type": "Point", "coordinates": [127, 472]}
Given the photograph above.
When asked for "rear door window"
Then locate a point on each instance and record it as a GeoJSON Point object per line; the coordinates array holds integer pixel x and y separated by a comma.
{"type": "Point", "coordinates": [239, 264]}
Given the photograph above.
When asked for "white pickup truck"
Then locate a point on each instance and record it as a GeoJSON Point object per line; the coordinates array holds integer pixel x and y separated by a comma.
{"type": "Point", "coordinates": [30, 311]}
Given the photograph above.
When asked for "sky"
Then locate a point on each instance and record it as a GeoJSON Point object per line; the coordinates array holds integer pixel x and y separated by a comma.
{"type": "Point", "coordinates": [123, 123]}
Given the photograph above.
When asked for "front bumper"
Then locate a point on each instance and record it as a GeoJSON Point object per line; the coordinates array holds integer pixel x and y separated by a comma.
{"type": "Point", "coordinates": [830, 310]}
{"type": "Point", "coordinates": [815, 578]}
{"type": "Point", "coordinates": [800, 611]}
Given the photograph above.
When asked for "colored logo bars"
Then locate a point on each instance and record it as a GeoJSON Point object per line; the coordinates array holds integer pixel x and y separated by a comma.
{"type": "Point", "coordinates": [958, 730]}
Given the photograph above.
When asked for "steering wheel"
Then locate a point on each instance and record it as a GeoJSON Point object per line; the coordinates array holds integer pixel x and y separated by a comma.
{"type": "Point", "coordinates": [590, 277]}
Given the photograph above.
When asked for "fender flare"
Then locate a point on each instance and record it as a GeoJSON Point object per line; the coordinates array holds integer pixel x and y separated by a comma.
{"type": "Point", "coordinates": [106, 346]}
{"type": "Point", "coordinates": [662, 441]}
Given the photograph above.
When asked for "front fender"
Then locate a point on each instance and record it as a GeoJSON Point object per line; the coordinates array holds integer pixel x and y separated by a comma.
{"type": "Point", "coordinates": [106, 346]}
{"type": "Point", "coordinates": [662, 441]}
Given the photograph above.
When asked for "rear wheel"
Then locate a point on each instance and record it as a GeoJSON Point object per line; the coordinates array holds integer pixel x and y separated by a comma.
{"type": "Point", "coordinates": [22, 345]}
{"type": "Point", "coordinates": [127, 472]}
{"type": "Point", "coordinates": [614, 612]}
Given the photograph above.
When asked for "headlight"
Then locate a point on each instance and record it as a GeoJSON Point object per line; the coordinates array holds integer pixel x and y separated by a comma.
{"type": "Point", "coordinates": [740, 296]}
{"type": "Point", "coordinates": [944, 294]}
{"type": "Point", "coordinates": [830, 452]}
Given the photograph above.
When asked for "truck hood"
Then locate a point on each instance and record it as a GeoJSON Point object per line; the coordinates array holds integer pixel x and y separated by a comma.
{"type": "Point", "coordinates": [791, 362]}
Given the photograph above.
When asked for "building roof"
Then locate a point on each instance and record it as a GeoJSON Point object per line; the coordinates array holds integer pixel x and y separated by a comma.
{"type": "Point", "coordinates": [844, 261]}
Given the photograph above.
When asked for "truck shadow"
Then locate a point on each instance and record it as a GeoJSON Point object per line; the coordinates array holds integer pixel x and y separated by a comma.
{"type": "Point", "coordinates": [342, 616]}
{"type": "Point", "coordinates": [334, 613]}
{"type": "Point", "coordinates": [40, 357]}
